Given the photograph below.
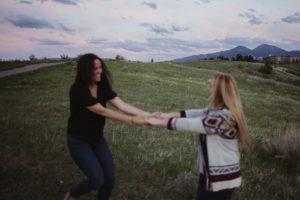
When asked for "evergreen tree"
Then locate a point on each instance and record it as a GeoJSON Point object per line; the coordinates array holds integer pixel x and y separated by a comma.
{"type": "Point", "coordinates": [239, 57]}
{"type": "Point", "coordinates": [267, 68]}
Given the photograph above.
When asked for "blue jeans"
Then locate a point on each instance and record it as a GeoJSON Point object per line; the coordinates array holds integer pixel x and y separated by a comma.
{"type": "Point", "coordinates": [202, 194]}
{"type": "Point", "coordinates": [96, 162]}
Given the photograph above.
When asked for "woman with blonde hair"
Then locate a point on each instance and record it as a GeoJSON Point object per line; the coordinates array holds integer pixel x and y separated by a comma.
{"type": "Point", "coordinates": [221, 125]}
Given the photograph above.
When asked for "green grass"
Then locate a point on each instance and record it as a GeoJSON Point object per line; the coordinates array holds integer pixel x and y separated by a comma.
{"type": "Point", "coordinates": [12, 64]}
{"type": "Point", "coordinates": [287, 73]}
{"type": "Point", "coordinates": [151, 163]}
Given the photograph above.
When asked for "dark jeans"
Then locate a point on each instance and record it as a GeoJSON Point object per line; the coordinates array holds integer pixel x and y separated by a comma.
{"type": "Point", "coordinates": [202, 194]}
{"type": "Point", "coordinates": [96, 162]}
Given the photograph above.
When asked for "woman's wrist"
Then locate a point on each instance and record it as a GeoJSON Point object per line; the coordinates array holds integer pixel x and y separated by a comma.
{"type": "Point", "coordinates": [145, 114]}
{"type": "Point", "coordinates": [169, 123]}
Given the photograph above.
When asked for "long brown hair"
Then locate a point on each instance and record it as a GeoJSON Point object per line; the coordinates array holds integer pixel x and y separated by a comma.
{"type": "Point", "coordinates": [225, 92]}
{"type": "Point", "coordinates": [85, 69]}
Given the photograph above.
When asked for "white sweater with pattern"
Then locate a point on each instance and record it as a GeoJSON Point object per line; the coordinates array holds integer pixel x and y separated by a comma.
{"type": "Point", "coordinates": [218, 158]}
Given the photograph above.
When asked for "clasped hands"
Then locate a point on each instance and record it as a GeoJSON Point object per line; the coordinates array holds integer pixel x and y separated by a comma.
{"type": "Point", "coordinates": [154, 119]}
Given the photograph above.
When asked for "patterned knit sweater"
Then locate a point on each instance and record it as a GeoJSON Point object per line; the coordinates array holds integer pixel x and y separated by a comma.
{"type": "Point", "coordinates": [218, 158]}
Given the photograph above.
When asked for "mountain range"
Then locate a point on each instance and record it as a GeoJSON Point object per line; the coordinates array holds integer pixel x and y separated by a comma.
{"type": "Point", "coordinates": [263, 51]}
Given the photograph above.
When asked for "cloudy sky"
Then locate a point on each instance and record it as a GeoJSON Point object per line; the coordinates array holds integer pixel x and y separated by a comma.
{"type": "Point", "coordinates": [141, 30]}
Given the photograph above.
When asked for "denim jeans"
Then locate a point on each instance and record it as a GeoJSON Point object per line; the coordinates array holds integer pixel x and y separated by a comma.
{"type": "Point", "coordinates": [202, 194]}
{"type": "Point", "coordinates": [96, 162]}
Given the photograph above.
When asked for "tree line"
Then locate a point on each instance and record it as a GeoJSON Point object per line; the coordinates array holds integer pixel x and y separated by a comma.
{"type": "Point", "coordinates": [238, 57]}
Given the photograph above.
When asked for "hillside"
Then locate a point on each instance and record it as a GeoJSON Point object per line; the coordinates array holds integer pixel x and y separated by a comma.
{"type": "Point", "coordinates": [151, 163]}
{"type": "Point", "coordinates": [263, 51]}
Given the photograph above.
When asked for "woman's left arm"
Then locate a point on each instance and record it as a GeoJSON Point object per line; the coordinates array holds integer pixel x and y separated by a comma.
{"type": "Point", "coordinates": [118, 103]}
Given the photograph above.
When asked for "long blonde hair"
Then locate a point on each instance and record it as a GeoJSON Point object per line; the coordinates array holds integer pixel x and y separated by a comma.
{"type": "Point", "coordinates": [225, 92]}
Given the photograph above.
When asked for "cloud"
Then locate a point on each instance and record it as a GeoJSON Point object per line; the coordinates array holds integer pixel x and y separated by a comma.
{"type": "Point", "coordinates": [26, 21]}
{"type": "Point", "coordinates": [156, 28]}
{"type": "Point", "coordinates": [26, 2]}
{"type": "Point", "coordinates": [150, 4]}
{"type": "Point", "coordinates": [254, 17]}
{"type": "Point", "coordinates": [177, 28]}
{"type": "Point", "coordinates": [292, 19]}
{"type": "Point", "coordinates": [163, 44]}
{"type": "Point", "coordinates": [252, 10]}
{"type": "Point", "coordinates": [229, 42]}
{"type": "Point", "coordinates": [47, 41]}
{"type": "Point", "coordinates": [97, 41]}
{"type": "Point", "coordinates": [171, 44]}
{"type": "Point", "coordinates": [127, 18]}
{"type": "Point", "coordinates": [66, 29]}
{"type": "Point", "coordinates": [66, 2]}
{"type": "Point", "coordinates": [289, 44]}
{"type": "Point", "coordinates": [162, 30]}
{"type": "Point", "coordinates": [130, 46]}
{"type": "Point", "coordinates": [203, 1]}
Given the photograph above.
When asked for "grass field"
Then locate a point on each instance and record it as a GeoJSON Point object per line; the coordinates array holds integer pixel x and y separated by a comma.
{"type": "Point", "coordinates": [12, 64]}
{"type": "Point", "coordinates": [151, 163]}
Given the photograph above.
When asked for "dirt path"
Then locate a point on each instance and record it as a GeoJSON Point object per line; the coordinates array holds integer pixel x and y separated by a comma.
{"type": "Point", "coordinates": [27, 68]}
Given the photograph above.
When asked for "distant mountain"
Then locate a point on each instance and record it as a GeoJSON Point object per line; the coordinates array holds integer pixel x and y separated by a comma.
{"type": "Point", "coordinates": [263, 50]}
{"type": "Point", "coordinates": [294, 53]}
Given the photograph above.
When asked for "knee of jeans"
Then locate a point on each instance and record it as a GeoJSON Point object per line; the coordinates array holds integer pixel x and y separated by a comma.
{"type": "Point", "coordinates": [97, 182]}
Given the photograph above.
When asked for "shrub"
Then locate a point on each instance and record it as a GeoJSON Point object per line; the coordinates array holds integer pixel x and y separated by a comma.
{"type": "Point", "coordinates": [119, 57]}
{"type": "Point", "coordinates": [32, 57]}
{"type": "Point", "coordinates": [267, 68]}
{"type": "Point", "coordinates": [239, 57]}
{"type": "Point", "coordinates": [64, 57]}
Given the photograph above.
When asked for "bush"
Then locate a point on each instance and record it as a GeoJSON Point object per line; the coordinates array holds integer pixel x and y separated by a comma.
{"type": "Point", "coordinates": [64, 57]}
{"type": "Point", "coordinates": [239, 57]}
{"type": "Point", "coordinates": [119, 57]}
{"type": "Point", "coordinates": [32, 57]}
{"type": "Point", "coordinates": [267, 68]}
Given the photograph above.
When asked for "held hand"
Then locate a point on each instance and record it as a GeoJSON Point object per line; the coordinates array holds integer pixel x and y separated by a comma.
{"type": "Point", "coordinates": [140, 121]}
{"type": "Point", "coordinates": [157, 121]}
{"type": "Point", "coordinates": [165, 115]}
{"type": "Point", "coordinates": [154, 114]}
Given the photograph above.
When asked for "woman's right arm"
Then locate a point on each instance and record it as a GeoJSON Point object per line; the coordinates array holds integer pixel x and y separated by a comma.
{"type": "Point", "coordinates": [192, 113]}
{"type": "Point", "coordinates": [179, 124]}
{"type": "Point", "coordinates": [106, 112]}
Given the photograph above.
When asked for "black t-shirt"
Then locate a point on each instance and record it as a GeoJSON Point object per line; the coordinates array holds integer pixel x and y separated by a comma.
{"type": "Point", "coordinates": [84, 124]}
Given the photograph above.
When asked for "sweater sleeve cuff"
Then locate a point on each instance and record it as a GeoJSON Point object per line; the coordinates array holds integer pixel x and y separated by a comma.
{"type": "Point", "coordinates": [182, 113]}
{"type": "Point", "coordinates": [170, 124]}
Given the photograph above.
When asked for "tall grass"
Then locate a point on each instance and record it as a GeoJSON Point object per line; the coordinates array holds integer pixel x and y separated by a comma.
{"type": "Point", "coordinates": [152, 163]}
{"type": "Point", "coordinates": [286, 143]}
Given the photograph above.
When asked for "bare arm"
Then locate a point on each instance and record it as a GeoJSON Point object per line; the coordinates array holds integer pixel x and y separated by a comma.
{"type": "Point", "coordinates": [118, 103]}
{"type": "Point", "coordinates": [106, 112]}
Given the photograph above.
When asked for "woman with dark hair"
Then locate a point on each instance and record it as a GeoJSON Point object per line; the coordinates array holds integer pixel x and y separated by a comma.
{"type": "Point", "coordinates": [220, 126]}
{"type": "Point", "coordinates": [87, 145]}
